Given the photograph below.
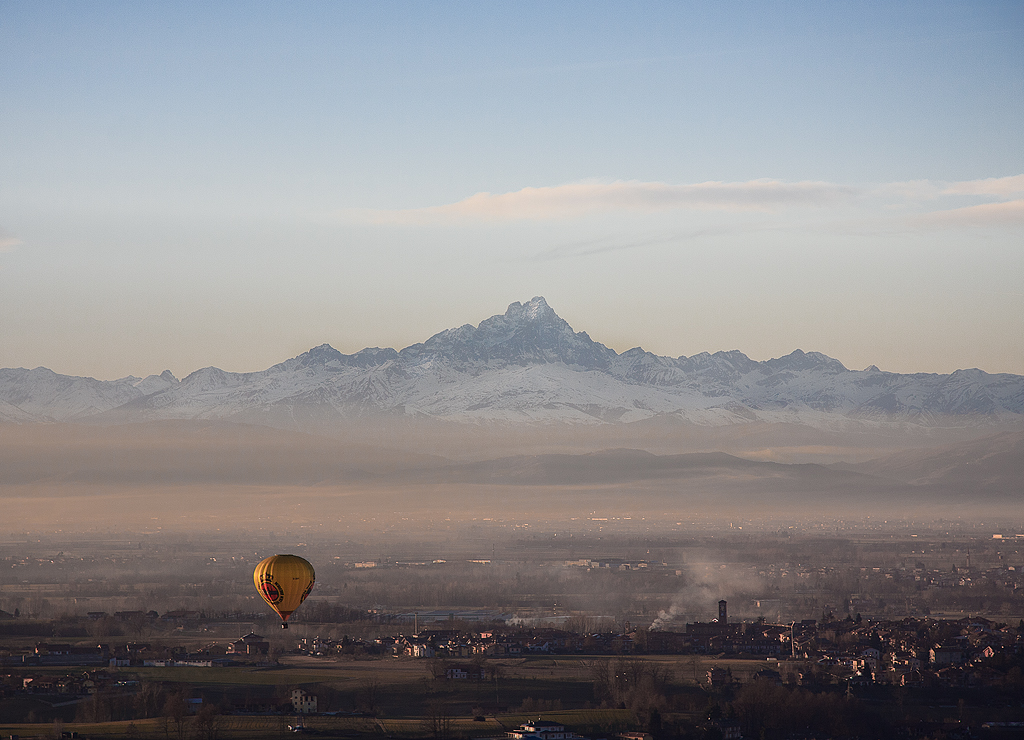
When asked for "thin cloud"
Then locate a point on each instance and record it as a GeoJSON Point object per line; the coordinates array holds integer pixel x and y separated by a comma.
{"type": "Point", "coordinates": [1008, 213]}
{"type": "Point", "coordinates": [998, 186]}
{"type": "Point", "coordinates": [769, 196]}
{"type": "Point", "coordinates": [579, 199]}
{"type": "Point", "coordinates": [923, 190]}
{"type": "Point", "coordinates": [8, 241]}
{"type": "Point", "coordinates": [910, 191]}
{"type": "Point", "coordinates": [602, 246]}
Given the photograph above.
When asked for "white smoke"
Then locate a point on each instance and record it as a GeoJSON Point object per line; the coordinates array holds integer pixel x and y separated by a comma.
{"type": "Point", "coordinates": [706, 584]}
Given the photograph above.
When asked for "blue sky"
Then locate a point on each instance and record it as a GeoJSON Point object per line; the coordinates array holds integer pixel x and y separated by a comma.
{"type": "Point", "coordinates": [184, 185]}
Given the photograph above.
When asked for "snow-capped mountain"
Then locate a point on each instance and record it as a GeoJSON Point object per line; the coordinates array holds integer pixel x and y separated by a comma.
{"type": "Point", "coordinates": [527, 365]}
{"type": "Point", "coordinates": [43, 395]}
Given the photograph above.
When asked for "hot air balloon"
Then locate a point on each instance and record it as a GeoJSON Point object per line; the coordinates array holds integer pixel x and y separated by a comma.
{"type": "Point", "coordinates": [284, 582]}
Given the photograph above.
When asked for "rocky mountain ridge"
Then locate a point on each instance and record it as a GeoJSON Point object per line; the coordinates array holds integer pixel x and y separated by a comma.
{"type": "Point", "coordinates": [526, 365]}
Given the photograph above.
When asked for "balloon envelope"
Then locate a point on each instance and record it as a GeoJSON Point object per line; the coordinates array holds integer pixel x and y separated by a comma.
{"type": "Point", "coordinates": [284, 582]}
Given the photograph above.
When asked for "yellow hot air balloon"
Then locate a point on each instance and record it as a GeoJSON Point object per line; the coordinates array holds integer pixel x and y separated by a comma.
{"type": "Point", "coordinates": [284, 582]}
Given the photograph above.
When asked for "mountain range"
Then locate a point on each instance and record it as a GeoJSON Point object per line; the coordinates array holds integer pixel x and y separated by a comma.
{"type": "Point", "coordinates": [526, 365]}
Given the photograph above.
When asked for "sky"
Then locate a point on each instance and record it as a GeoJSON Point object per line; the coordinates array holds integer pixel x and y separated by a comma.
{"type": "Point", "coordinates": [229, 184]}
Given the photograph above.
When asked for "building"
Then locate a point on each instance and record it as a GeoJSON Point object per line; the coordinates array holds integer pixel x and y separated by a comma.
{"type": "Point", "coordinates": [250, 644]}
{"type": "Point", "coordinates": [719, 627]}
{"type": "Point", "coordinates": [718, 677]}
{"type": "Point", "coordinates": [542, 730]}
{"type": "Point", "coordinates": [709, 635]}
{"type": "Point", "coordinates": [303, 703]}
{"type": "Point", "coordinates": [463, 671]}
{"type": "Point", "coordinates": [48, 653]}
{"type": "Point", "coordinates": [730, 728]}
{"type": "Point", "coordinates": [951, 653]}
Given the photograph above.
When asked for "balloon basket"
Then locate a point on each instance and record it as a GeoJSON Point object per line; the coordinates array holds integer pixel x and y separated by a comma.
{"type": "Point", "coordinates": [284, 625]}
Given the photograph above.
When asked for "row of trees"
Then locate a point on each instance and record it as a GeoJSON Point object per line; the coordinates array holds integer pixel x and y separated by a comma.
{"type": "Point", "coordinates": [153, 700]}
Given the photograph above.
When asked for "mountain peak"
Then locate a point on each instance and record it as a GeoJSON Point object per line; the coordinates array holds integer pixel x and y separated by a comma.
{"type": "Point", "coordinates": [524, 364]}
{"type": "Point", "coordinates": [800, 360]}
{"type": "Point", "coordinates": [536, 309]}
{"type": "Point", "coordinates": [526, 334]}
{"type": "Point", "coordinates": [318, 356]}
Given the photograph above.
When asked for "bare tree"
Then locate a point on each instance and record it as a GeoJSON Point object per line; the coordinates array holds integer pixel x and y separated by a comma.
{"type": "Point", "coordinates": [149, 700]}
{"type": "Point", "coordinates": [176, 715]}
{"type": "Point", "coordinates": [207, 723]}
{"type": "Point", "coordinates": [437, 720]}
{"type": "Point", "coordinates": [368, 695]}
{"type": "Point", "coordinates": [437, 667]}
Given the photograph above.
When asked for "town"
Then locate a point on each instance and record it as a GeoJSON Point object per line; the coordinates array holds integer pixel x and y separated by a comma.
{"type": "Point", "coordinates": [922, 661]}
{"type": "Point", "coordinates": [603, 628]}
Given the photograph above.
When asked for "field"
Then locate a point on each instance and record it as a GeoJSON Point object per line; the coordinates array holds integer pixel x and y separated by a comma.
{"type": "Point", "coordinates": [327, 727]}
{"type": "Point", "coordinates": [400, 692]}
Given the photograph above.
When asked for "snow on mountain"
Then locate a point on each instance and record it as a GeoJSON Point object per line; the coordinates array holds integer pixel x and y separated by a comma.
{"type": "Point", "coordinates": [527, 365]}
{"type": "Point", "coordinates": [156, 383]}
{"type": "Point", "coordinates": [43, 395]}
{"type": "Point", "coordinates": [526, 335]}
{"type": "Point", "coordinates": [12, 413]}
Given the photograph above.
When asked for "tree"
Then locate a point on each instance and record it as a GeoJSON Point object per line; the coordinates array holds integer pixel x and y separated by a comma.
{"type": "Point", "coordinates": [497, 672]}
{"type": "Point", "coordinates": [138, 625]}
{"type": "Point", "coordinates": [600, 674]}
{"type": "Point", "coordinates": [437, 720]}
{"type": "Point", "coordinates": [104, 627]}
{"type": "Point", "coordinates": [368, 695]}
{"type": "Point", "coordinates": [207, 723]}
{"type": "Point", "coordinates": [97, 708]}
{"type": "Point", "coordinates": [654, 722]}
{"type": "Point", "coordinates": [437, 667]}
{"type": "Point", "coordinates": [149, 700]}
{"type": "Point", "coordinates": [640, 640]}
{"type": "Point", "coordinates": [176, 715]}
